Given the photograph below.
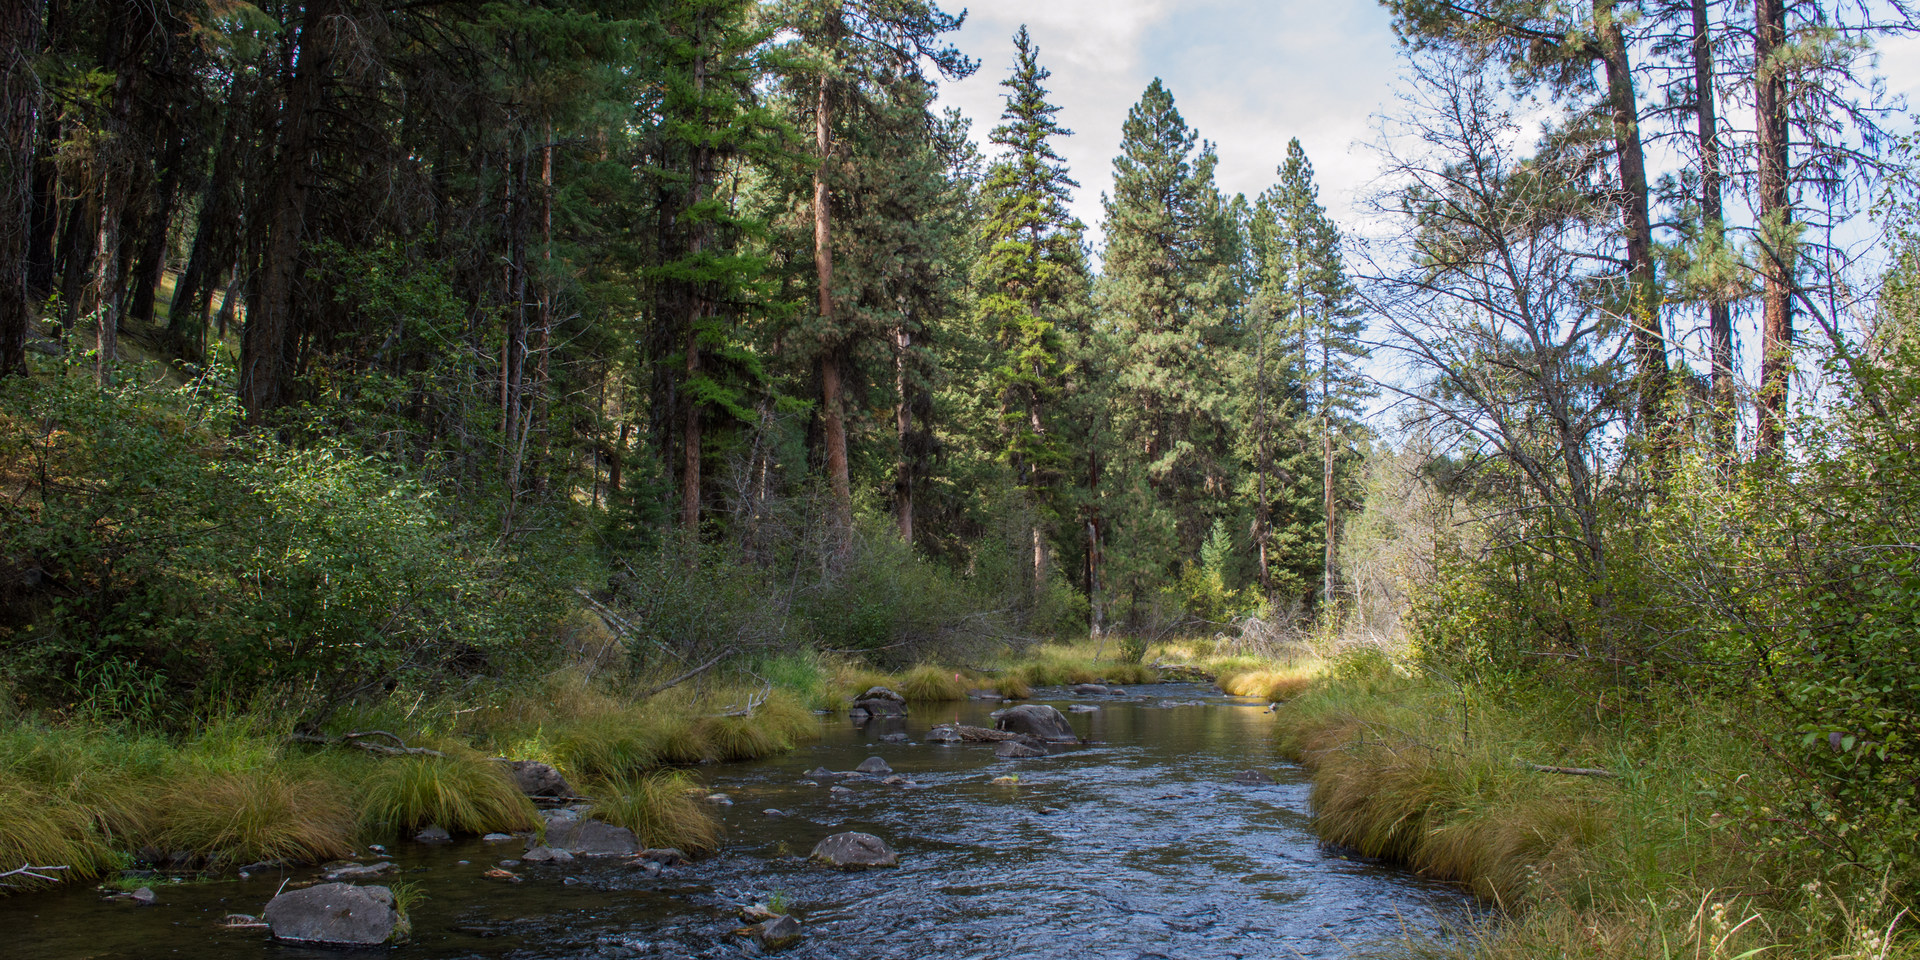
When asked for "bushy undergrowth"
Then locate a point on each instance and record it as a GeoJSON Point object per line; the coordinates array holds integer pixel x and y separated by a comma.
{"type": "Point", "coordinates": [155, 559]}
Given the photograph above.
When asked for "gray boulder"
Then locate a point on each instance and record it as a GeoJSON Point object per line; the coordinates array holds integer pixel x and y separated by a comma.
{"type": "Point", "coordinates": [434, 833]}
{"type": "Point", "coordinates": [876, 707]}
{"type": "Point", "coordinates": [854, 851]}
{"type": "Point", "coordinates": [1089, 688]}
{"type": "Point", "coordinates": [881, 693]}
{"type": "Point", "coordinates": [943, 734]}
{"type": "Point", "coordinates": [1014, 748]}
{"type": "Point", "coordinates": [1036, 720]}
{"type": "Point", "coordinates": [874, 765]}
{"type": "Point", "coordinates": [537, 779]}
{"type": "Point", "coordinates": [591, 838]}
{"type": "Point", "coordinates": [778, 933]}
{"type": "Point", "coordinates": [337, 913]}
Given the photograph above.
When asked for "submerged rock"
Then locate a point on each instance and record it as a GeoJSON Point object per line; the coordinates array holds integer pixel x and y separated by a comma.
{"type": "Point", "coordinates": [1014, 748]}
{"type": "Point", "coordinates": [664, 856]}
{"type": "Point", "coordinates": [1253, 778]}
{"type": "Point", "coordinates": [983, 695]}
{"type": "Point", "coordinates": [591, 838]}
{"type": "Point", "coordinates": [1036, 720]}
{"type": "Point", "coordinates": [334, 913]}
{"type": "Point", "coordinates": [358, 871]}
{"type": "Point", "coordinates": [819, 773]}
{"type": "Point", "coordinates": [778, 933]}
{"type": "Point", "coordinates": [1082, 708]}
{"type": "Point", "coordinates": [854, 851]}
{"type": "Point", "coordinates": [434, 834]}
{"type": "Point", "coordinates": [873, 765]}
{"type": "Point", "coordinates": [894, 738]}
{"type": "Point", "coordinates": [943, 734]}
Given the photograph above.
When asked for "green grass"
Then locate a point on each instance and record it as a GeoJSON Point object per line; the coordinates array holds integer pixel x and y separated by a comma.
{"type": "Point", "coordinates": [463, 792]}
{"type": "Point", "coordinates": [662, 809]}
{"type": "Point", "coordinates": [929, 683]}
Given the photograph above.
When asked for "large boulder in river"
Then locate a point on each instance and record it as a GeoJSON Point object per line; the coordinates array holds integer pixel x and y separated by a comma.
{"type": "Point", "coordinates": [537, 779]}
{"type": "Point", "coordinates": [1036, 720]}
{"type": "Point", "coordinates": [854, 851]}
{"type": "Point", "coordinates": [876, 707]}
{"type": "Point", "coordinates": [334, 913]}
{"type": "Point", "coordinates": [590, 838]}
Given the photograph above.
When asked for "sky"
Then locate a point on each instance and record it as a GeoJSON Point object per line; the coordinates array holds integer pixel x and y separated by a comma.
{"type": "Point", "coordinates": [1247, 74]}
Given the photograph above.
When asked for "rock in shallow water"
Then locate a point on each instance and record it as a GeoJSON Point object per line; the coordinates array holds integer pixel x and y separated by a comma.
{"type": "Point", "coordinates": [1036, 720]}
{"type": "Point", "coordinates": [334, 913]}
{"type": "Point", "coordinates": [854, 851]}
{"type": "Point", "coordinates": [1252, 778]}
{"type": "Point", "coordinates": [873, 765]}
{"type": "Point", "coordinates": [434, 834]}
{"type": "Point", "coordinates": [1014, 748]}
{"type": "Point", "coordinates": [591, 838]}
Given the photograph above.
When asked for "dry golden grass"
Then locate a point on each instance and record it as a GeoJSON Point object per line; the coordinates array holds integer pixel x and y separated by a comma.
{"type": "Point", "coordinates": [1274, 684]}
{"type": "Point", "coordinates": [264, 814]}
{"type": "Point", "coordinates": [1012, 687]}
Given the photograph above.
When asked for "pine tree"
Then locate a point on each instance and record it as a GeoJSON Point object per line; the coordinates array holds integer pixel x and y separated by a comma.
{"type": "Point", "coordinates": [711, 123]}
{"type": "Point", "coordinates": [1168, 290]}
{"type": "Point", "coordinates": [1032, 266]}
{"type": "Point", "coordinates": [1305, 253]}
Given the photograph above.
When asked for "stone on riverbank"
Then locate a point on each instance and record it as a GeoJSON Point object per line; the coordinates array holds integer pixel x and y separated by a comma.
{"type": "Point", "coordinates": [1036, 720]}
{"type": "Point", "coordinates": [334, 913]}
{"type": "Point", "coordinates": [854, 851]}
{"type": "Point", "coordinates": [538, 780]}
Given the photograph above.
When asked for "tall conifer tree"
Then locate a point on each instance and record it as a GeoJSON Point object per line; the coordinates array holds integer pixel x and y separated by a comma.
{"type": "Point", "coordinates": [1032, 265]}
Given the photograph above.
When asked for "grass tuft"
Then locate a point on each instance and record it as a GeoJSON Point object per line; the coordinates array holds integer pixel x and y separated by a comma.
{"type": "Point", "coordinates": [262, 814]}
{"type": "Point", "coordinates": [933, 684]}
{"type": "Point", "coordinates": [1276, 685]}
{"type": "Point", "coordinates": [462, 792]}
{"type": "Point", "coordinates": [661, 810]}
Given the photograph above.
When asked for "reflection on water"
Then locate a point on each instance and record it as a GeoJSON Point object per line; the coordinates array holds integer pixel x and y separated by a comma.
{"type": "Point", "coordinates": [1137, 845]}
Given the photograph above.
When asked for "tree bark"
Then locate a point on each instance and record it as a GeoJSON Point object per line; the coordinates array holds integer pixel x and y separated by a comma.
{"type": "Point", "coordinates": [833, 416]}
{"type": "Point", "coordinates": [266, 349]}
{"type": "Point", "coordinates": [19, 124]}
{"type": "Point", "coordinates": [903, 429]}
{"type": "Point", "coordinates": [1649, 337]}
{"type": "Point", "coordinates": [1776, 216]}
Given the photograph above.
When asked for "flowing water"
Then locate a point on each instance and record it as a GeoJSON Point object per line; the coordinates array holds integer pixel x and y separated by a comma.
{"type": "Point", "coordinates": [1138, 844]}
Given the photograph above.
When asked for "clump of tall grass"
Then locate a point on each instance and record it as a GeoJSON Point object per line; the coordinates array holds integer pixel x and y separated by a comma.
{"type": "Point", "coordinates": [661, 810]}
{"type": "Point", "coordinates": [1274, 684]}
{"type": "Point", "coordinates": [263, 814]}
{"type": "Point", "coordinates": [1012, 687]}
{"type": "Point", "coordinates": [46, 831]}
{"type": "Point", "coordinates": [933, 684]}
{"type": "Point", "coordinates": [461, 791]}
{"type": "Point", "coordinates": [773, 726]}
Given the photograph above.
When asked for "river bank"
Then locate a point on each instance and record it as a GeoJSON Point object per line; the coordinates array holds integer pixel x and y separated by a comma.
{"type": "Point", "coordinates": [1145, 840]}
{"type": "Point", "coordinates": [1631, 830]}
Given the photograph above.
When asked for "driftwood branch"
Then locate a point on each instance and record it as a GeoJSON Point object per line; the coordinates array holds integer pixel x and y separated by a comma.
{"type": "Point", "coordinates": [1571, 771]}
{"type": "Point", "coordinates": [358, 739]}
{"type": "Point", "coordinates": [689, 675]}
{"type": "Point", "coordinates": [29, 870]}
{"type": "Point", "coordinates": [753, 703]}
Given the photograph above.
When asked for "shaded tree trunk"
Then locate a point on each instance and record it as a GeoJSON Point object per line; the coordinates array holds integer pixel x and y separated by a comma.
{"type": "Point", "coordinates": [19, 122]}
{"type": "Point", "coordinates": [832, 413]}
{"type": "Point", "coordinates": [267, 346]}
{"type": "Point", "coordinates": [1649, 337]}
{"type": "Point", "coordinates": [1713, 225]}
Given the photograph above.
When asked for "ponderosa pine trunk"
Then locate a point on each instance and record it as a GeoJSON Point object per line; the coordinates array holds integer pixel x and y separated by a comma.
{"type": "Point", "coordinates": [832, 414]}
{"type": "Point", "coordinates": [19, 122]}
{"type": "Point", "coordinates": [1776, 215]}
{"type": "Point", "coordinates": [1649, 337]}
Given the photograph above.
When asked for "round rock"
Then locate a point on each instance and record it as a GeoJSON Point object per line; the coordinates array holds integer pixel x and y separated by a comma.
{"type": "Point", "coordinates": [873, 765]}
{"type": "Point", "coordinates": [854, 851]}
{"type": "Point", "coordinates": [334, 913]}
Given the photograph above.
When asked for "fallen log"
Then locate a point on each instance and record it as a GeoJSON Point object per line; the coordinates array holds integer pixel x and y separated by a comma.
{"type": "Point", "coordinates": [986, 735]}
{"type": "Point", "coordinates": [1570, 771]}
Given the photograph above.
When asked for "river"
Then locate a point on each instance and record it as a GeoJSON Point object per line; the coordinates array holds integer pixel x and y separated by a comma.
{"type": "Point", "coordinates": [1139, 844]}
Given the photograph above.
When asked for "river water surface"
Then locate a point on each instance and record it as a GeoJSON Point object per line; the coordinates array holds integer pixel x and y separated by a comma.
{"type": "Point", "coordinates": [1136, 845]}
